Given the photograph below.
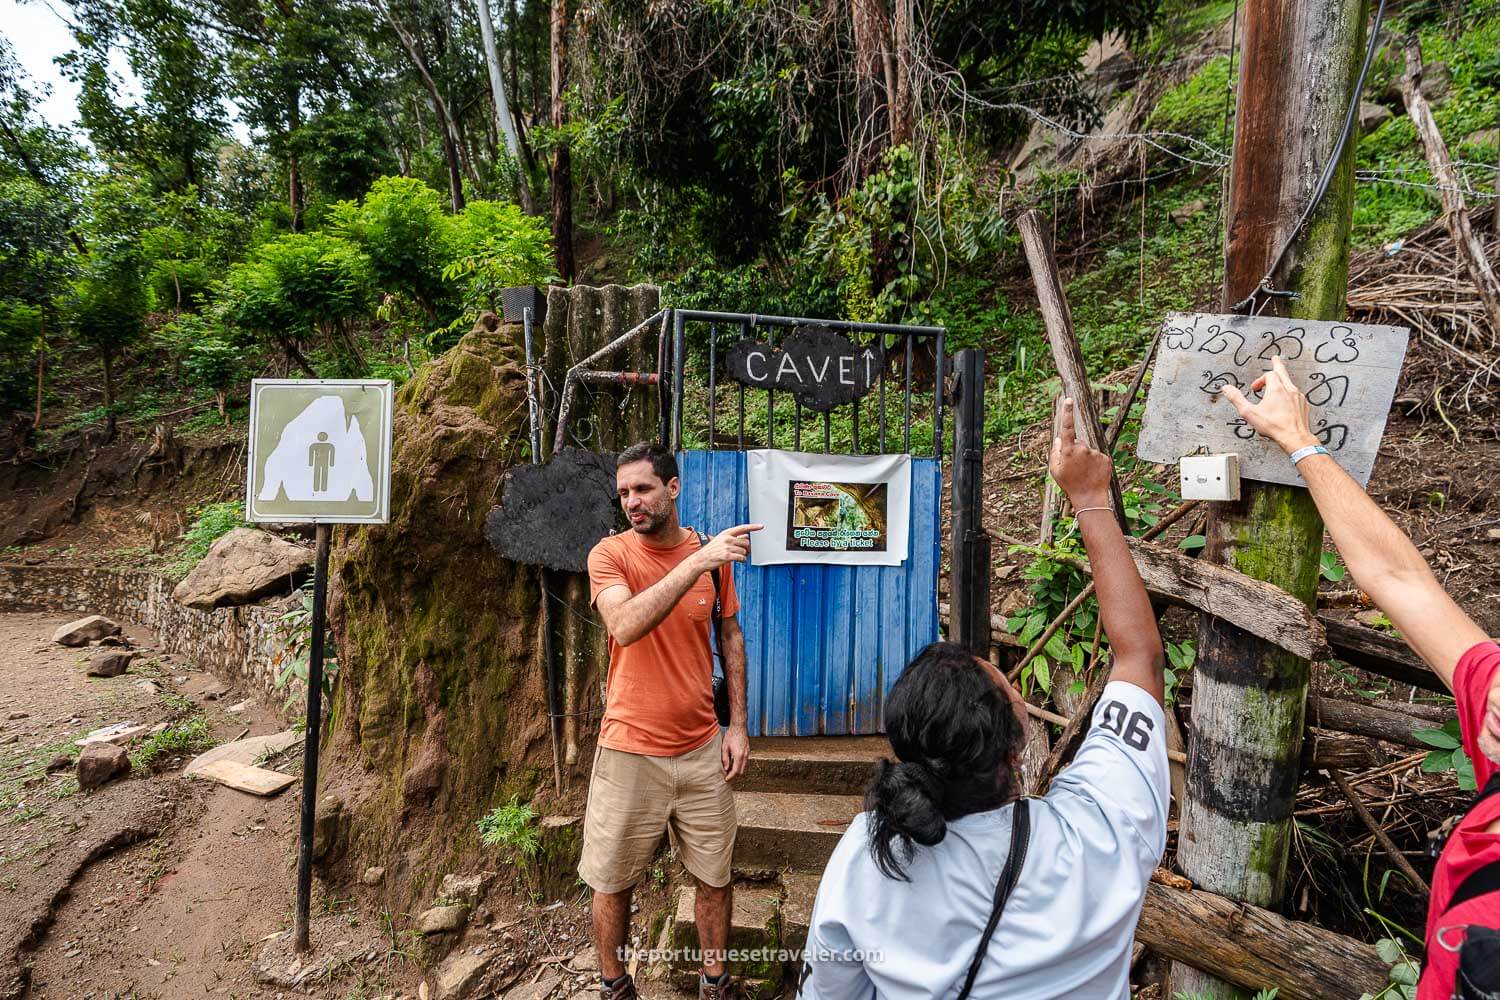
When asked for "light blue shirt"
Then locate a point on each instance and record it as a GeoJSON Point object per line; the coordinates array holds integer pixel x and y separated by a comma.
{"type": "Point", "coordinates": [1067, 930]}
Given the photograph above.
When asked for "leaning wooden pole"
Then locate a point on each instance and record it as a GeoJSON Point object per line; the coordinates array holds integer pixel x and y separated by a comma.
{"type": "Point", "coordinates": [1297, 79]}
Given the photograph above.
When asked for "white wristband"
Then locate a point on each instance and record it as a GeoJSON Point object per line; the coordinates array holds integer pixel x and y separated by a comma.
{"type": "Point", "coordinates": [1301, 453]}
{"type": "Point", "coordinates": [1084, 509]}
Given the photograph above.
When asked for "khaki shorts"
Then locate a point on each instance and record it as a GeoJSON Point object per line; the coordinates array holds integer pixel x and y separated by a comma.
{"type": "Point", "coordinates": [634, 798]}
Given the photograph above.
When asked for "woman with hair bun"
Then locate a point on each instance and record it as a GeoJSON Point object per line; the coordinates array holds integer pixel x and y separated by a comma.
{"type": "Point", "coordinates": [951, 884]}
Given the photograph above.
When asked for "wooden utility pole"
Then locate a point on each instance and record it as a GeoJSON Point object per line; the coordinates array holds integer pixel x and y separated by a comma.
{"type": "Point", "coordinates": [1300, 63]}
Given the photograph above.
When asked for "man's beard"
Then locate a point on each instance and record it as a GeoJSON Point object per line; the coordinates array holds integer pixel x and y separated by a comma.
{"type": "Point", "coordinates": [655, 523]}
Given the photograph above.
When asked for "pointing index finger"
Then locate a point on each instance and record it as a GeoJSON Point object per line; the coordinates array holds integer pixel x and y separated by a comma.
{"type": "Point", "coordinates": [744, 529]}
{"type": "Point", "coordinates": [1065, 417]}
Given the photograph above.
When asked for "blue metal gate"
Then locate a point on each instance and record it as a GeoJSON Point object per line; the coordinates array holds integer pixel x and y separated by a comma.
{"type": "Point", "coordinates": [823, 644]}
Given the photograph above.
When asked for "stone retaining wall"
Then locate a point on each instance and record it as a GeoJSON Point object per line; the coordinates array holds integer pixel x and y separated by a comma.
{"type": "Point", "coordinates": [239, 645]}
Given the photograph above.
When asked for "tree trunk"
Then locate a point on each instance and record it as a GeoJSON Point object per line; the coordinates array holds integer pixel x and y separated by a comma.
{"type": "Point", "coordinates": [295, 356]}
{"type": "Point", "coordinates": [562, 164]}
{"type": "Point", "coordinates": [902, 113]}
{"type": "Point", "coordinates": [219, 399]}
{"type": "Point", "coordinates": [502, 106]}
{"type": "Point", "coordinates": [109, 394]}
{"type": "Point", "coordinates": [439, 108]}
{"type": "Point", "coordinates": [41, 363]}
{"type": "Point", "coordinates": [872, 128]}
{"type": "Point", "coordinates": [293, 168]}
{"type": "Point", "coordinates": [1296, 85]}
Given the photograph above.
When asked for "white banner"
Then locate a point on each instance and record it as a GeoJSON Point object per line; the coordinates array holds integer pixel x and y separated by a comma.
{"type": "Point", "coordinates": [846, 510]}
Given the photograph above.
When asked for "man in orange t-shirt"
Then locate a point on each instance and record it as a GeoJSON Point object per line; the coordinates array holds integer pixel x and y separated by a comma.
{"type": "Point", "coordinates": [662, 764]}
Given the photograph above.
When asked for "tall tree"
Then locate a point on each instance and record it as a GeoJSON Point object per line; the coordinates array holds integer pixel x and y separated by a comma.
{"type": "Point", "coordinates": [562, 162]}
{"type": "Point", "coordinates": [503, 121]}
{"type": "Point", "coordinates": [448, 133]}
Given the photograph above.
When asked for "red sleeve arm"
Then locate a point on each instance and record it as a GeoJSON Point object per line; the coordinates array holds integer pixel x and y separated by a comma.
{"type": "Point", "coordinates": [1471, 689]}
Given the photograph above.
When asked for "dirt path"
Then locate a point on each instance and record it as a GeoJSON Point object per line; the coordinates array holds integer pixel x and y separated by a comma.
{"type": "Point", "coordinates": [156, 885]}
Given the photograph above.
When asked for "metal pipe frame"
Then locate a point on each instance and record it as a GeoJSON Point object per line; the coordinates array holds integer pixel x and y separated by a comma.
{"type": "Point", "coordinates": [566, 406]}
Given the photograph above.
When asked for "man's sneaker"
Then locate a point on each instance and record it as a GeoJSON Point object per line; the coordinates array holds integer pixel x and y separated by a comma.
{"type": "Point", "coordinates": [713, 989]}
{"type": "Point", "coordinates": [622, 989]}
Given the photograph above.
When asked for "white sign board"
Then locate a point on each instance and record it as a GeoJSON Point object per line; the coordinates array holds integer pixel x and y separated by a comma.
{"type": "Point", "coordinates": [1347, 370]}
{"type": "Point", "coordinates": [845, 510]}
{"type": "Point", "coordinates": [320, 451]}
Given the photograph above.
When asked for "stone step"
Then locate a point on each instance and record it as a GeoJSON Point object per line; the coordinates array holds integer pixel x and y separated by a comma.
{"type": "Point", "coordinates": [783, 830]}
{"type": "Point", "coordinates": [753, 932]}
{"type": "Point", "coordinates": [770, 917]}
{"type": "Point", "coordinates": [812, 765]}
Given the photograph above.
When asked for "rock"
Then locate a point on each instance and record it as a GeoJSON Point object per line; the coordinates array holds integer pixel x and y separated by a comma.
{"type": "Point", "coordinates": [328, 828]}
{"type": "Point", "coordinates": [535, 991]}
{"type": "Point", "coordinates": [1182, 213]}
{"type": "Point", "coordinates": [1437, 79]}
{"type": "Point", "coordinates": [119, 734]}
{"type": "Point", "coordinates": [465, 888]}
{"type": "Point", "coordinates": [1372, 116]}
{"type": "Point", "coordinates": [111, 663]}
{"type": "Point", "coordinates": [242, 567]}
{"type": "Point", "coordinates": [373, 875]}
{"type": "Point", "coordinates": [1493, 534]}
{"type": "Point", "coordinates": [443, 918]}
{"type": "Point", "coordinates": [584, 960]}
{"type": "Point", "coordinates": [1484, 137]}
{"type": "Point", "coordinates": [277, 965]}
{"type": "Point", "coordinates": [240, 706]}
{"type": "Point", "coordinates": [112, 640]}
{"type": "Point", "coordinates": [85, 630]}
{"type": "Point", "coordinates": [148, 686]}
{"type": "Point", "coordinates": [457, 977]}
{"type": "Point", "coordinates": [59, 763]}
{"type": "Point", "coordinates": [6, 741]}
{"type": "Point", "coordinates": [101, 763]}
{"type": "Point", "coordinates": [1014, 601]}
{"type": "Point", "coordinates": [17, 715]}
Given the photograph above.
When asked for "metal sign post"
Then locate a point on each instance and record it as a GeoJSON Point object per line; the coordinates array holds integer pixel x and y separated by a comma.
{"type": "Point", "coordinates": [320, 453]}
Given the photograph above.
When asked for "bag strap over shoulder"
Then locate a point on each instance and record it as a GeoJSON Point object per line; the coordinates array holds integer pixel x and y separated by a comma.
{"type": "Point", "coordinates": [1020, 837]}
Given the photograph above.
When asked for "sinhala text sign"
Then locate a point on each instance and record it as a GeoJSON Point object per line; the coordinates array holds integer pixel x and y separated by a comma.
{"type": "Point", "coordinates": [1347, 370]}
{"type": "Point", "coordinates": [320, 451]}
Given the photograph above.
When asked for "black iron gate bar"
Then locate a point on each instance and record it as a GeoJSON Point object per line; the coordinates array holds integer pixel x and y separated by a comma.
{"type": "Point", "coordinates": [748, 322]}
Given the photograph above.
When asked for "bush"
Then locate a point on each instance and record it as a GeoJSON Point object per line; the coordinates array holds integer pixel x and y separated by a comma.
{"type": "Point", "coordinates": [210, 522]}
{"type": "Point", "coordinates": [510, 826]}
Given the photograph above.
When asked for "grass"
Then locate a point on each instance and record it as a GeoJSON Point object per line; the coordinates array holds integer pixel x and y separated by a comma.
{"type": "Point", "coordinates": [190, 736]}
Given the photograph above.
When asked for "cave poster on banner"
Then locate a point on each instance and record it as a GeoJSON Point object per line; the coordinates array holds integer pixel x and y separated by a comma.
{"type": "Point", "coordinates": [848, 510]}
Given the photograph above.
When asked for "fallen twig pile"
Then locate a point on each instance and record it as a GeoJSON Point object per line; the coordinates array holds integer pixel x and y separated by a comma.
{"type": "Point", "coordinates": [1453, 365]}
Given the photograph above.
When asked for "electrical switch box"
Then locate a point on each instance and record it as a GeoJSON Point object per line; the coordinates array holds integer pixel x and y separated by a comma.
{"type": "Point", "coordinates": [1211, 477]}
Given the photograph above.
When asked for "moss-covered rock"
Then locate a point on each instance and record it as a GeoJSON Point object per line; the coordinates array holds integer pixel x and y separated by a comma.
{"type": "Point", "coordinates": [441, 707]}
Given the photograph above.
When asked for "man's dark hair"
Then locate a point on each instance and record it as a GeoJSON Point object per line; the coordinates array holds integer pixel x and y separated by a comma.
{"type": "Point", "coordinates": [953, 731]}
{"type": "Point", "coordinates": [663, 462]}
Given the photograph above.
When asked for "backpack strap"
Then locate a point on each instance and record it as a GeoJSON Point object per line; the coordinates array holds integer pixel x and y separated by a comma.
{"type": "Point", "coordinates": [718, 616]}
{"type": "Point", "coordinates": [1020, 837]}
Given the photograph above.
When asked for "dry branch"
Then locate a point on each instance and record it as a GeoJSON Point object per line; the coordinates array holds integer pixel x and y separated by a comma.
{"type": "Point", "coordinates": [1366, 720]}
{"type": "Point", "coordinates": [1455, 211]}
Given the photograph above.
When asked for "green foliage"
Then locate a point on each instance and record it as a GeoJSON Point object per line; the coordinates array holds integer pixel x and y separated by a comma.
{"type": "Point", "coordinates": [1447, 754]}
{"type": "Point", "coordinates": [1330, 569]}
{"type": "Point", "coordinates": [1404, 972]}
{"type": "Point", "coordinates": [400, 225]}
{"type": "Point", "coordinates": [210, 522]}
{"type": "Point", "coordinates": [511, 827]}
{"type": "Point", "coordinates": [296, 656]}
{"type": "Point", "coordinates": [1196, 108]}
{"type": "Point", "coordinates": [299, 285]}
{"type": "Point", "coordinates": [190, 736]}
{"type": "Point", "coordinates": [492, 245]}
